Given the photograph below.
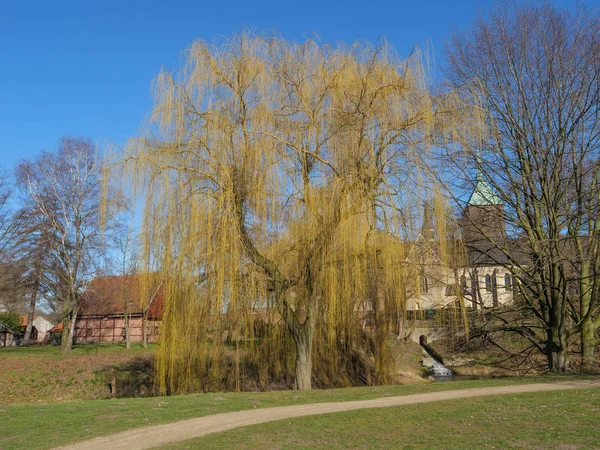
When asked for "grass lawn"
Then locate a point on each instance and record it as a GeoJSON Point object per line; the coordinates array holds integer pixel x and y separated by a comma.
{"type": "Point", "coordinates": [41, 426]}
{"type": "Point", "coordinates": [54, 351]}
{"type": "Point", "coordinates": [565, 420]}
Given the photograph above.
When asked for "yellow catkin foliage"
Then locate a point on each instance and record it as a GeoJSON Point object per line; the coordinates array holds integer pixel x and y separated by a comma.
{"type": "Point", "coordinates": [281, 200]}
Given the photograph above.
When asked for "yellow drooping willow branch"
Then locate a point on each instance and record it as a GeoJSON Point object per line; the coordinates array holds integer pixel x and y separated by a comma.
{"type": "Point", "coordinates": [282, 189]}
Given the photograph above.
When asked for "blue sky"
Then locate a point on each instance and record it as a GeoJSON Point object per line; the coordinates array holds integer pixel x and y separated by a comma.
{"type": "Point", "coordinates": [85, 68]}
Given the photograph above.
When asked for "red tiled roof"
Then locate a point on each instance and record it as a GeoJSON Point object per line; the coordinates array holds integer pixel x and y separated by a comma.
{"type": "Point", "coordinates": [57, 328]}
{"type": "Point", "coordinates": [107, 295]}
{"type": "Point", "coordinates": [24, 320]}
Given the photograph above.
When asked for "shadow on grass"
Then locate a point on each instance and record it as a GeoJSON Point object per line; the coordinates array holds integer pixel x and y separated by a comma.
{"type": "Point", "coordinates": [134, 378]}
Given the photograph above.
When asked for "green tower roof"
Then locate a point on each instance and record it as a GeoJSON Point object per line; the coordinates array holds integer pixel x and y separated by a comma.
{"type": "Point", "coordinates": [483, 195]}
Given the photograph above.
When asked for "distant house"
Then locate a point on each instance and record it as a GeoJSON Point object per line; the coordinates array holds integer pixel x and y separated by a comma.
{"type": "Point", "coordinates": [8, 336]}
{"type": "Point", "coordinates": [56, 329]}
{"type": "Point", "coordinates": [102, 314]}
{"type": "Point", "coordinates": [41, 327]}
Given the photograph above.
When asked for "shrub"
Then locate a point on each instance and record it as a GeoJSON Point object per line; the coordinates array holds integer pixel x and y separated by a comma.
{"type": "Point", "coordinates": [12, 320]}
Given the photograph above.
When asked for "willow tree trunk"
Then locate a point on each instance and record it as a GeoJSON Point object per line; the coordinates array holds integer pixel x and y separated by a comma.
{"type": "Point", "coordinates": [382, 353]}
{"type": "Point", "coordinates": [303, 338]}
{"type": "Point", "coordinates": [31, 313]}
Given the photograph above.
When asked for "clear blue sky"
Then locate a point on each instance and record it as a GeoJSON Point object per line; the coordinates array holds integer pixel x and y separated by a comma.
{"type": "Point", "coordinates": [85, 67]}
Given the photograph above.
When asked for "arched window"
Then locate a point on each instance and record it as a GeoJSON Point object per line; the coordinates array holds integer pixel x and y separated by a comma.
{"type": "Point", "coordinates": [507, 282]}
{"type": "Point", "coordinates": [494, 289]}
{"type": "Point", "coordinates": [488, 283]}
{"type": "Point", "coordinates": [424, 283]}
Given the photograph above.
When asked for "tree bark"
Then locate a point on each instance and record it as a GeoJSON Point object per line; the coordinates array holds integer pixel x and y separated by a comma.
{"type": "Point", "coordinates": [127, 332]}
{"type": "Point", "coordinates": [588, 345]}
{"type": "Point", "coordinates": [68, 345]}
{"type": "Point", "coordinates": [126, 310]}
{"type": "Point", "coordinates": [303, 338]}
{"type": "Point", "coordinates": [65, 329]}
{"type": "Point", "coordinates": [31, 313]}
{"type": "Point", "coordinates": [556, 350]}
{"type": "Point", "coordinates": [144, 330]}
{"type": "Point", "coordinates": [382, 354]}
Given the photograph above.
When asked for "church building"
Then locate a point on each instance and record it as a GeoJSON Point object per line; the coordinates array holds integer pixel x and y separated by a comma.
{"type": "Point", "coordinates": [480, 275]}
{"type": "Point", "coordinates": [486, 282]}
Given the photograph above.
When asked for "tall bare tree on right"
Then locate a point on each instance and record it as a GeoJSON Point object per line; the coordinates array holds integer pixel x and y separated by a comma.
{"type": "Point", "coordinates": [534, 70]}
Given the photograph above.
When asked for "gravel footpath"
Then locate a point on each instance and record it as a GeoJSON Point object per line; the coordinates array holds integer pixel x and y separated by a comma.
{"type": "Point", "coordinates": [157, 435]}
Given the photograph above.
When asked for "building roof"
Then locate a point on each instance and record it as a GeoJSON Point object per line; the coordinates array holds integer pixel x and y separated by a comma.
{"type": "Point", "coordinates": [57, 328]}
{"type": "Point", "coordinates": [24, 320]}
{"type": "Point", "coordinates": [107, 296]}
{"type": "Point", "coordinates": [498, 252]}
{"type": "Point", "coordinates": [483, 195]}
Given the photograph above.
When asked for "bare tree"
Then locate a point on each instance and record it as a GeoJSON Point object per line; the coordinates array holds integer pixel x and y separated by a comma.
{"type": "Point", "coordinates": [64, 190]}
{"type": "Point", "coordinates": [32, 248]}
{"type": "Point", "coordinates": [533, 71]}
{"type": "Point", "coordinates": [127, 247]}
{"type": "Point", "coordinates": [9, 219]}
{"type": "Point", "coordinates": [12, 292]}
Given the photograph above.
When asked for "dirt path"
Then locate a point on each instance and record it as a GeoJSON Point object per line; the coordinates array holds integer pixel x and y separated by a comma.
{"type": "Point", "coordinates": [157, 435]}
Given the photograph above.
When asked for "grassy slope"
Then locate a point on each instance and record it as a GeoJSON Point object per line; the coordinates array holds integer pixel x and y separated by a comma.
{"type": "Point", "coordinates": [44, 374]}
{"type": "Point", "coordinates": [549, 420]}
{"type": "Point", "coordinates": [50, 425]}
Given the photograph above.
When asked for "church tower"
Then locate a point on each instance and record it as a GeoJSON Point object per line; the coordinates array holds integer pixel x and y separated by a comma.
{"type": "Point", "coordinates": [483, 216]}
{"type": "Point", "coordinates": [484, 235]}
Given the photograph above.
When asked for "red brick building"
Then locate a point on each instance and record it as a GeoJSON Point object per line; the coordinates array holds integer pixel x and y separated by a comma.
{"type": "Point", "coordinates": [103, 307]}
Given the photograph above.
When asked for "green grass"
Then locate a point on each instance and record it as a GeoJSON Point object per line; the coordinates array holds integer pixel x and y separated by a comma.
{"type": "Point", "coordinates": [544, 420]}
{"type": "Point", "coordinates": [44, 374]}
{"type": "Point", "coordinates": [54, 351]}
{"type": "Point", "coordinates": [48, 425]}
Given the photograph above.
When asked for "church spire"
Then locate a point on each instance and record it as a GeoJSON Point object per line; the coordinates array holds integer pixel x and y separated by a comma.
{"type": "Point", "coordinates": [478, 165]}
{"type": "Point", "coordinates": [483, 194]}
{"type": "Point", "coordinates": [427, 228]}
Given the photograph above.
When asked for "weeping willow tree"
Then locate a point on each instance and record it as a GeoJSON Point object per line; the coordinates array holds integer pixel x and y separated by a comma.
{"type": "Point", "coordinates": [280, 182]}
